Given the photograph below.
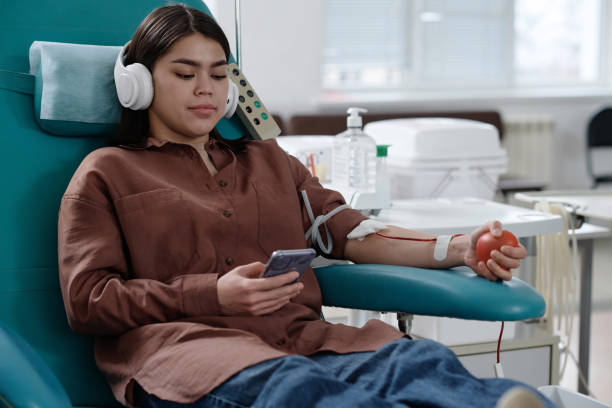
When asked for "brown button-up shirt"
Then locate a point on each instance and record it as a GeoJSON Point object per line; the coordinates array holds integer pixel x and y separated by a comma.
{"type": "Point", "coordinates": [144, 234]}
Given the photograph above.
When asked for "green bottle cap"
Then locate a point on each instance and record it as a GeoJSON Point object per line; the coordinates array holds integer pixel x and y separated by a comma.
{"type": "Point", "coordinates": [381, 150]}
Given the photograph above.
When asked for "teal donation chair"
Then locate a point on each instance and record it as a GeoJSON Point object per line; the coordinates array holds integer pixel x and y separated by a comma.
{"type": "Point", "coordinates": [42, 362]}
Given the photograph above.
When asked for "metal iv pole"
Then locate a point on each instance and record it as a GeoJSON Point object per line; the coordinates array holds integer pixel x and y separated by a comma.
{"type": "Point", "coordinates": [239, 58]}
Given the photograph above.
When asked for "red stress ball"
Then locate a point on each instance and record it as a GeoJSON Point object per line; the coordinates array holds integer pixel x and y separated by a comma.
{"type": "Point", "coordinates": [487, 243]}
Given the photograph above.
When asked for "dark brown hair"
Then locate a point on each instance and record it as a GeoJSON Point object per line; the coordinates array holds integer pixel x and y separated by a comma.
{"type": "Point", "coordinates": [153, 38]}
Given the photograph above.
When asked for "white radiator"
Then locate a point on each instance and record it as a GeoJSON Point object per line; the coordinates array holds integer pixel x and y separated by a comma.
{"type": "Point", "coordinates": [528, 140]}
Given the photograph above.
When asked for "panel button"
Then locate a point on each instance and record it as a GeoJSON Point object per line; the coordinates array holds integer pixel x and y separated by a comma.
{"type": "Point", "coordinates": [243, 82]}
{"type": "Point", "coordinates": [235, 72]}
{"type": "Point", "coordinates": [222, 183]}
{"type": "Point", "coordinates": [241, 98]}
{"type": "Point", "coordinates": [227, 213]}
{"type": "Point", "coordinates": [229, 260]}
{"type": "Point", "coordinates": [256, 121]}
{"type": "Point", "coordinates": [248, 109]}
{"type": "Point", "coordinates": [250, 93]}
{"type": "Point", "coordinates": [264, 116]}
{"type": "Point", "coordinates": [257, 104]}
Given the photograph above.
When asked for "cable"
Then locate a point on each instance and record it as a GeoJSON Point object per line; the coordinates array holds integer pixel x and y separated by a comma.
{"type": "Point", "coordinates": [416, 239]}
{"type": "Point", "coordinates": [580, 374]}
{"type": "Point", "coordinates": [497, 367]}
{"type": "Point", "coordinates": [499, 341]}
{"type": "Point", "coordinates": [556, 272]}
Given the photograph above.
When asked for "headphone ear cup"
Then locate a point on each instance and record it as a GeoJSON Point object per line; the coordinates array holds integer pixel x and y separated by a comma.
{"type": "Point", "coordinates": [231, 101]}
{"type": "Point", "coordinates": [143, 95]}
{"type": "Point", "coordinates": [133, 83]}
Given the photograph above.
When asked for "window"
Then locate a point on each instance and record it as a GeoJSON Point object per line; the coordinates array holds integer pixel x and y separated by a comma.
{"type": "Point", "coordinates": [363, 48]}
{"type": "Point", "coordinates": [429, 44]}
{"type": "Point", "coordinates": [557, 41]}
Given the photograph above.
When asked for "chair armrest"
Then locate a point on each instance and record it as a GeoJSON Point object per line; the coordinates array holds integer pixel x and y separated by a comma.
{"type": "Point", "coordinates": [25, 380]}
{"type": "Point", "coordinates": [450, 293]}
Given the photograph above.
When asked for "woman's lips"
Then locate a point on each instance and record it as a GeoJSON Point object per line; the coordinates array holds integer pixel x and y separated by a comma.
{"type": "Point", "coordinates": [203, 110]}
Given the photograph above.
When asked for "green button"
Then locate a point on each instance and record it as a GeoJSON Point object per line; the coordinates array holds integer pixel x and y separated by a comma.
{"type": "Point", "coordinates": [264, 115]}
{"type": "Point", "coordinates": [257, 104]}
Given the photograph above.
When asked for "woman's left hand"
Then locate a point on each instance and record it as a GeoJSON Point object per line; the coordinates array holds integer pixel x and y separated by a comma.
{"type": "Point", "coordinates": [498, 267]}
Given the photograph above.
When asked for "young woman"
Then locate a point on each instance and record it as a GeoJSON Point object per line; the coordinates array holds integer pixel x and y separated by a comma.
{"type": "Point", "coordinates": [163, 238]}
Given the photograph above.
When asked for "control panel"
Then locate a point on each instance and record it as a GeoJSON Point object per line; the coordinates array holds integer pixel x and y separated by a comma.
{"type": "Point", "coordinates": [251, 111]}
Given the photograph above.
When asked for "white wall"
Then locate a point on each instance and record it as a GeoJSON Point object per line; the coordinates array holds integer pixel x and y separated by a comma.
{"type": "Point", "coordinates": [281, 43]}
{"type": "Point", "coordinates": [282, 47]}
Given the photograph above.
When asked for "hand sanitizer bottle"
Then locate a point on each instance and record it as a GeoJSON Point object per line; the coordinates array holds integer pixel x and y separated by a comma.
{"type": "Point", "coordinates": [354, 156]}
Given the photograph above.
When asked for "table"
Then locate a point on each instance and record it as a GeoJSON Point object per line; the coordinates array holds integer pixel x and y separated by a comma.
{"type": "Point", "coordinates": [596, 207]}
{"type": "Point", "coordinates": [462, 215]}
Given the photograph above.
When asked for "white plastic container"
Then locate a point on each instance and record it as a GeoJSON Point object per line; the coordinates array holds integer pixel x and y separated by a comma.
{"type": "Point", "coordinates": [441, 157]}
{"type": "Point", "coordinates": [564, 398]}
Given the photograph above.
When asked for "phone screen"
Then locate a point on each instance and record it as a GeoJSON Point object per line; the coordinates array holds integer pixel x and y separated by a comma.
{"type": "Point", "coordinates": [283, 261]}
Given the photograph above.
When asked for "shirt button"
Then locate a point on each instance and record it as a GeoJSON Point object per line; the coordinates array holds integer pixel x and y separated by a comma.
{"type": "Point", "coordinates": [280, 342]}
{"type": "Point", "coordinates": [222, 183]}
{"type": "Point", "coordinates": [229, 260]}
{"type": "Point", "coordinates": [227, 213]}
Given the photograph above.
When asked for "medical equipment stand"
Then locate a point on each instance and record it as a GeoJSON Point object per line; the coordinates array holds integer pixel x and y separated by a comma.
{"type": "Point", "coordinates": [584, 236]}
{"type": "Point", "coordinates": [596, 207]}
{"type": "Point", "coordinates": [586, 282]}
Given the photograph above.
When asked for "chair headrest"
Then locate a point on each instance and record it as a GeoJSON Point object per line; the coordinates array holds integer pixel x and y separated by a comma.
{"type": "Point", "coordinates": [74, 92]}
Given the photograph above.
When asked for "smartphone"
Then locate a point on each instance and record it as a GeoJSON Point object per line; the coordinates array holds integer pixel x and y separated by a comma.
{"type": "Point", "coordinates": [286, 260]}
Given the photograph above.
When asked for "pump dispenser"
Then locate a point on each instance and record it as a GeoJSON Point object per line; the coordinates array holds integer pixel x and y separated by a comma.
{"type": "Point", "coordinates": [353, 119]}
{"type": "Point", "coordinates": [354, 156]}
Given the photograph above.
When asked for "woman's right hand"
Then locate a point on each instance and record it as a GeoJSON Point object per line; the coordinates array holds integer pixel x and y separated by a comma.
{"type": "Point", "coordinates": [242, 291]}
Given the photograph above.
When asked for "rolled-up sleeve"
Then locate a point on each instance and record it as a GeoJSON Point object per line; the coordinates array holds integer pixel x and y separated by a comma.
{"type": "Point", "coordinates": [98, 294]}
{"type": "Point", "coordinates": [323, 201]}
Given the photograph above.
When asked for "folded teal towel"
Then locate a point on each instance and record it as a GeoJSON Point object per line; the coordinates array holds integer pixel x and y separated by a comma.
{"type": "Point", "coordinates": [75, 82]}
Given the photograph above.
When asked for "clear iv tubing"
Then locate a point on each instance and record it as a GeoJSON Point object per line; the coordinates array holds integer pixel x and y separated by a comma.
{"type": "Point", "coordinates": [556, 273]}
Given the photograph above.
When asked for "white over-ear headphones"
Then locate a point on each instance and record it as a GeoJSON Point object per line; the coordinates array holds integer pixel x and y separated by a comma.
{"type": "Point", "coordinates": [232, 99]}
{"type": "Point", "coordinates": [135, 86]}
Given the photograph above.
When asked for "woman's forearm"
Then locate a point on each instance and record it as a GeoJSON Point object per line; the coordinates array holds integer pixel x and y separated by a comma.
{"type": "Point", "coordinates": [374, 249]}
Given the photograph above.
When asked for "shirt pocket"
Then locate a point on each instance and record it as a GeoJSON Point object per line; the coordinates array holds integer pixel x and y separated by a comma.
{"type": "Point", "coordinates": [159, 232]}
{"type": "Point", "coordinates": [279, 218]}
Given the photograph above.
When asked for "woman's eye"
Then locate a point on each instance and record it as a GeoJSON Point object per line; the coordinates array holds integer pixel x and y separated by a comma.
{"type": "Point", "coordinates": [185, 76]}
{"type": "Point", "coordinates": [219, 77]}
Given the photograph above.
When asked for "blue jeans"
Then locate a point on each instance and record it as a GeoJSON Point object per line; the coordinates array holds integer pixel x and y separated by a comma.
{"type": "Point", "coordinates": [404, 373]}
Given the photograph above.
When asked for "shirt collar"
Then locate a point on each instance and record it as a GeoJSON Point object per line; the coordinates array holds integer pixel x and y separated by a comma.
{"type": "Point", "coordinates": [155, 142]}
{"type": "Point", "coordinates": [148, 142]}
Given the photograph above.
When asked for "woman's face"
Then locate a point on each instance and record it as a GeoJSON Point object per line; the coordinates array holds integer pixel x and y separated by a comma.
{"type": "Point", "coordinates": [190, 90]}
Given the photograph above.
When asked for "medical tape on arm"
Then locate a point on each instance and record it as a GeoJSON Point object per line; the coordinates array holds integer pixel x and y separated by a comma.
{"type": "Point", "coordinates": [441, 248]}
{"type": "Point", "coordinates": [313, 231]}
{"type": "Point", "coordinates": [365, 228]}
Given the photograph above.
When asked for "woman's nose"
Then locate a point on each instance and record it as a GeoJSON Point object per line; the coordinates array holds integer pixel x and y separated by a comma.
{"type": "Point", "coordinates": [203, 86]}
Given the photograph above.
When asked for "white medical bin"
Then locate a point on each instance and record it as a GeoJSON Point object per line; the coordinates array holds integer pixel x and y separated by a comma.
{"type": "Point", "coordinates": [441, 157]}
{"type": "Point", "coordinates": [564, 398]}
